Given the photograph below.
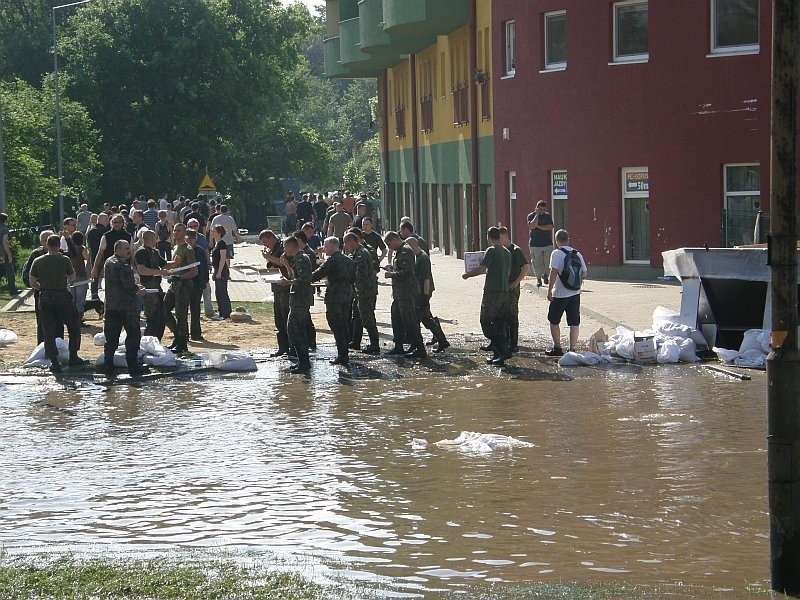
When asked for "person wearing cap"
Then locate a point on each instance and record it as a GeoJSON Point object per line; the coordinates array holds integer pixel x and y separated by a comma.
{"type": "Point", "coordinates": [180, 289]}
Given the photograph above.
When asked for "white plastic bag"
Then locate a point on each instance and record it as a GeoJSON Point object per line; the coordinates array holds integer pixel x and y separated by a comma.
{"type": "Point", "coordinates": [38, 358]}
{"type": "Point", "coordinates": [230, 361]}
{"type": "Point", "coordinates": [751, 358]}
{"type": "Point", "coordinates": [165, 359]}
{"type": "Point", "coordinates": [756, 339]}
{"type": "Point", "coordinates": [7, 337]}
{"type": "Point", "coordinates": [622, 342]}
{"type": "Point", "coordinates": [688, 351]}
{"type": "Point", "coordinates": [579, 359]}
{"type": "Point", "coordinates": [669, 352]}
{"type": "Point", "coordinates": [725, 355]}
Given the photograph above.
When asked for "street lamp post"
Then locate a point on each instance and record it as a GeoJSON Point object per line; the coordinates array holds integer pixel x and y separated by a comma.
{"type": "Point", "coordinates": [2, 167]}
{"type": "Point", "coordinates": [59, 164]}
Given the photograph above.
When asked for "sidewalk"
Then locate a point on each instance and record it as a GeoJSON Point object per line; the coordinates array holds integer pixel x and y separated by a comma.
{"type": "Point", "coordinates": [456, 302]}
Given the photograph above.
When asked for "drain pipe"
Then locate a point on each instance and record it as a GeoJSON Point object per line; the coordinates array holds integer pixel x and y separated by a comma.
{"type": "Point", "coordinates": [473, 122]}
{"type": "Point", "coordinates": [383, 104]}
{"type": "Point", "coordinates": [417, 217]}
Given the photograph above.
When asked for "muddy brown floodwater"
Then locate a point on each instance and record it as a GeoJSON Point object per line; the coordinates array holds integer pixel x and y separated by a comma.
{"type": "Point", "coordinates": [653, 475]}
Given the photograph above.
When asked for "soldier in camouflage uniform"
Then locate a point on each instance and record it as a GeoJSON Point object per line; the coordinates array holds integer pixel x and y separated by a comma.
{"type": "Point", "coordinates": [298, 268]}
{"type": "Point", "coordinates": [405, 289]}
{"type": "Point", "coordinates": [340, 273]}
{"type": "Point", "coordinates": [366, 292]}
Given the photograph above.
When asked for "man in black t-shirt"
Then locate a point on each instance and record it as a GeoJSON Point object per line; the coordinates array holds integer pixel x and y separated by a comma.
{"type": "Point", "coordinates": [540, 222]}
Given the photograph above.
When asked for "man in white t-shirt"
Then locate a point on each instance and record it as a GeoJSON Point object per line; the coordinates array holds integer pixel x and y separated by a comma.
{"type": "Point", "coordinates": [225, 219]}
{"type": "Point", "coordinates": [563, 300]}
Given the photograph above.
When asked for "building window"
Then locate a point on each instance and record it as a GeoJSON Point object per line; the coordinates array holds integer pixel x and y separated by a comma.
{"type": "Point", "coordinates": [486, 98]}
{"type": "Point", "coordinates": [630, 31]}
{"type": "Point", "coordinates": [742, 202]}
{"type": "Point", "coordinates": [510, 48]}
{"type": "Point", "coordinates": [555, 40]}
{"type": "Point", "coordinates": [460, 104]}
{"type": "Point", "coordinates": [734, 26]}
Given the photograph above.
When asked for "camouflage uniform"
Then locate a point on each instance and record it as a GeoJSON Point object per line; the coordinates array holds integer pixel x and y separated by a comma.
{"type": "Point", "coordinates": [366, 296]}
{"type": "Point", "coordinates": [340, 273]}
{"type": "Point", "coordinates": [405, 289]}
{"type": "Point", "coordinates": [300, 299]}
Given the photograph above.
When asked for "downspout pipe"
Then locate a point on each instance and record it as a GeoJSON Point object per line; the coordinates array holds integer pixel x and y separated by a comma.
{"type": "Point", "coordinates": [473, 122]}
{"type": "Point", "coordinates": [415, 192]}
{"type": "Point", "coordinates": [383, 101]}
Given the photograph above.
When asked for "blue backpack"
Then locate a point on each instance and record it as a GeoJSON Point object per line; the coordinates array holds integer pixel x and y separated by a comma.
{"type": "Point", "coordinates": [572, 273]}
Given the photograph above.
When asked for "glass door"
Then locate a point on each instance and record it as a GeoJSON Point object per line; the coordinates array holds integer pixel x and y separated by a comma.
{"type": "Point", "coordinates": [636, 215]}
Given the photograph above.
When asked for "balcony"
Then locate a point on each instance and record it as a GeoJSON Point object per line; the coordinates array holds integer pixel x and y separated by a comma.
{"type": "Point", "coordinates": [333, 66]}
{"type": "Point", "coordinates": [423, 17]}
{"type": "Point", "coordinates": [374, 40]}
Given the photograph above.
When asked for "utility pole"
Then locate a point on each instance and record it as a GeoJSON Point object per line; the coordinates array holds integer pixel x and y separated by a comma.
{"type": "Point", "coordinates": [783, 362]}
{"type": "Point", "coordinates": [2, 166]}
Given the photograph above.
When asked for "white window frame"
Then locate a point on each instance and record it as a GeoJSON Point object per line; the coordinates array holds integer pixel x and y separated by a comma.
{"type": "Point", "coordinates": [628, 58]}
{"type": "Point", "coordinates": [552, 66]}
{"type": "Point", "coordinates": [510, 49]}
{"type": "Point", "coordinates": [729, 50]}
{"type": "Point", "coordinates": [726, 194]}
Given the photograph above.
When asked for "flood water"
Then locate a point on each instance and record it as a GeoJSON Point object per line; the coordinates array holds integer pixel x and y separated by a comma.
{"type": "Point", "coordinates": [652, 475]}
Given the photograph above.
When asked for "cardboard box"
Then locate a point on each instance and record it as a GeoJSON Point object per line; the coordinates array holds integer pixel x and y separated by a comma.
{"type": "Point", "coordinates": [644, 348]}
{"type": "Point", "coordinates": [472, 260]}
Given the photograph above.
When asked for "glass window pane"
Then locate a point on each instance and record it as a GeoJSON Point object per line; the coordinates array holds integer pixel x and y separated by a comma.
{"type": "Point", "coordinates": [743, 178]}
{"type": "Point", "coordinates": [736, 23]}
{"type": "Point", "coordinates": [632, 29]}
{"type": "Point", "coordinates": [556, 38]}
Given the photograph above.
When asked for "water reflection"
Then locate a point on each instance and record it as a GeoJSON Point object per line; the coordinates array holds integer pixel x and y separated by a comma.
{"type": "Point", "coordinates": [642, 475]}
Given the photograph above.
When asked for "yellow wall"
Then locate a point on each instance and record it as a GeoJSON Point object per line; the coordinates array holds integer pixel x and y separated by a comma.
{"type": "Point", "coordinates": [440, 68]}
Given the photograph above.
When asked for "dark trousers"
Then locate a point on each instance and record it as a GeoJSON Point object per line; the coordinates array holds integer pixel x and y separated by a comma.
{"type": "Point", "coordinates": [494, 315]}
{"type": "Point", "coordinates": [512, 322]}
{"type": "Point", "coordinates": [177, 299]}
{"type": "Point", "coordinates": [338, 315]}
{"type": "Point", "coordinates": [223, 299]}
{"type": "Point", "coordinates": [115, 322]}
{"type": "Point", "coordinates": [12, 284]}
{"type": "Point", "coordinates": [164, 250]}
{"type": "Point", "coordinates": [154, 315]}
{"type": "Point", "coordinates": [57, 310]}
{"type": "Point", "coordinates": [280, 309]}
{"type": "Point", "coordinates": [195, 307]}
{"type": "Point", "coordinates": [425, 317]}
{"type": "Point", "coordinates": [405, 325]}
{"type": "Point", "coordinates": [364, 318]}
{"type": "Point", "coordinates": [297, 330]}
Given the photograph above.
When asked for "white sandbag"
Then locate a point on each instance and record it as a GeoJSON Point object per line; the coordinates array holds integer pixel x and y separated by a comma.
{"type": "Point", "coordinates": [756, 339]}
{"type": "Point", "coordinates": [167, 359]}
{"type": "Point", "coordinates": [670, 329]}
{"type": "Point", "coordinates": [230, 361]}
{"type": "Point", "coordinates": [725, 355]}
{"type": "Point", "coordinates": [664, 314]}
{"type": "Point", "coordinates": [688, 351]}
{"type": "Point", "coordinates": [7, 337]}
{"type": "Point", "coordinates": [150, 344]}
{"type": "Point", "coordinates": [38, 358]}
{"type": "Point", "coordinates": [579, 359]}
{"type": "Point", "coordinates": [483, 443]}
{"type": "Point", "coordinates": [751, 358]}
{"type": "Point", "coordinates": [668, 352]}
{"type": "Point", "coordinates": [622, 342]}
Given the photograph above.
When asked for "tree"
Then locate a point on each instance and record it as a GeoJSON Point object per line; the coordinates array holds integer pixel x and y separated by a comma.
{"type": "Point", "coordinates": [182, 85]}
{"type": "Point", "coordinates": [25, 39]}
{"type": "Point", "coordinates": [29, 138]}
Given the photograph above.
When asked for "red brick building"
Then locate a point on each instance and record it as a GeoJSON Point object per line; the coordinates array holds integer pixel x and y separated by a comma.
{"type": "Point", "coordinates": [645, 124]}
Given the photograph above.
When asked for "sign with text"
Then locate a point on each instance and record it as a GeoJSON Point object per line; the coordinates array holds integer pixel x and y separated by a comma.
{"type": "Point", "coordinates": [637, 181]}
{"type": "Point", "coordinates": [559, 184]}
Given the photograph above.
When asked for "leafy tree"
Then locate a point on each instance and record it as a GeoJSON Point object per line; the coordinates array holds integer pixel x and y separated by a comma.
{"type": "Point", "coordinates": [29, 140]}
{"type": "Point", "coordinates": [25, 39]}
{"type": "Point", "coordinates": [177, 86]}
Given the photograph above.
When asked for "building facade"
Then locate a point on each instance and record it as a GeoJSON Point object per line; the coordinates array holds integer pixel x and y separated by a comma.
{"type": "Point", "coordinates": [433, 63]}
{"type": "Point", "coordinates": [644, 124]}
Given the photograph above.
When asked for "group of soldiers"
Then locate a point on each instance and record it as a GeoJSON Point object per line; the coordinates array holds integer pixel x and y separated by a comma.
{"type": "Point", "coordinates": [350, 271]}
{"type": "Point", "coordinates": [129, 258]}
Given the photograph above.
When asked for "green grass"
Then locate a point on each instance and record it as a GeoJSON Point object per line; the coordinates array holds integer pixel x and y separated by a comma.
{"type": "Point", "coordinates": [186, 575]}
{"type": "Point", "coordinates": [168, 578]}
{"type": "Point", "coordinates": [22, 258]}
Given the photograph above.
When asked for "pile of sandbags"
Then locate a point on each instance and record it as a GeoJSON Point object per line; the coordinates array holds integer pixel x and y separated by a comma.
{"type": "Point", "coordinates": [151, 352]}
{"type": "Point", "coordinates": [753, 351]}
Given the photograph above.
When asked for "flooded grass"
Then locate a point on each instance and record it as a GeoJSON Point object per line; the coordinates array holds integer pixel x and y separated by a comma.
{"type": "Point", "coordinates": [71, 577]}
